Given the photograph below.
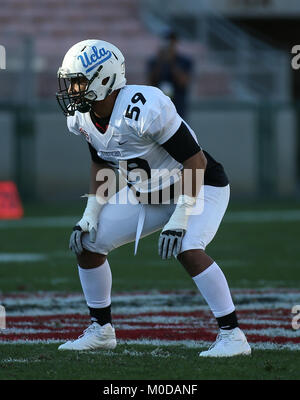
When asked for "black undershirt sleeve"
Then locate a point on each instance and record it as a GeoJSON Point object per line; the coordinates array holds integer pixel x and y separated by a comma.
{"type": "Point", "coordinates": [94, 155]}
{"type": "Point", "coordinates": [181, 145]}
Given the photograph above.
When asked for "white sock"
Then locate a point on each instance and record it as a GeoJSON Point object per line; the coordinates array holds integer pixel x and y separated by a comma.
{"type": "Point", "coordinates": [96, 285]}
{"type": "Point", "coordinates": [213, 286]}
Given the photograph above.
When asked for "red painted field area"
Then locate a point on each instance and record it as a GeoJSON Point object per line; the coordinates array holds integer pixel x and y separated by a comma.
{"type": "Point", "coordinates": [163, 318]}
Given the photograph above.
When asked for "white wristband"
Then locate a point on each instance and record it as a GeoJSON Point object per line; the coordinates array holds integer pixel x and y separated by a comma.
{"type": "Point", "coordinates": [90, 216]}
{"type": "Point", "coordinates": [93, 207]}
{"type": "Point", "coordinates": [179, 218]}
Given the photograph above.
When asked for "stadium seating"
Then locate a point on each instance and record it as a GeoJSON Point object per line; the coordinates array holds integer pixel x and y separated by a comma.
{"type": "Point", "coordinates": [56, 25]}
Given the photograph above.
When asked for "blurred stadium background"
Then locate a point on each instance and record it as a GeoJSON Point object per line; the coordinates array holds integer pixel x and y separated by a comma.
{"type": "Point", "coordinates": [243, 99]}
{"type": "Point", "coordinates": [243, 105]}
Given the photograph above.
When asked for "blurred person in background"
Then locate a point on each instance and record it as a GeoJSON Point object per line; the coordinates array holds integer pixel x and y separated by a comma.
{"type": "Point", "coordinates": [170, 71]}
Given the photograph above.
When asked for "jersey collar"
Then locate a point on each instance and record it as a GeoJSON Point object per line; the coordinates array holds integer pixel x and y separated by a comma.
{"type": "Point", "coordinates": [115, 115]}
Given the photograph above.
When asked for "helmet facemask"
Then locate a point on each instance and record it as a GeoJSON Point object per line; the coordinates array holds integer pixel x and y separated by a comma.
{"type": "Point", "coordinates": [70, 101]}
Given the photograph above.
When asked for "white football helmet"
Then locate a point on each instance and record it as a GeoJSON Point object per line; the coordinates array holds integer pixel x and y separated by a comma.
{"type": "Point", "coordinates": [102, 65]}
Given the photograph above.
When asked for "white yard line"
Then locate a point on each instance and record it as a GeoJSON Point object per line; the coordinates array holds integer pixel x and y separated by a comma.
{"type": "Point", "coordinates": [33, 257]}
{"type": "Point", "coordinates": [47, 303]}
{"type": "Point", "coordinates": [43, 303]}
{"type": "Point", "coordinates": [261, 216]}
{"type": "Point", "coordinates": [81, 309]}
{"type": "Point", "coordinates": [39, 222]}
{"type": "Point", "coordinates": [22, 257]}
{"type": "Point", "coordinates": [277, 334]}
{"type": "Point", "coordinates": [157, 342]}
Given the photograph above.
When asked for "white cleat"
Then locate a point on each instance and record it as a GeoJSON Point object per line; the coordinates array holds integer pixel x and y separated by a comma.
{"type": "Point", "coordinates": [229, 343]}
{"type": "Point", "coordinates": [94, 337]}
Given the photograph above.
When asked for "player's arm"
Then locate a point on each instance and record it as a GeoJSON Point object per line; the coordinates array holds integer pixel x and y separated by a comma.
{"type": "Point", "coordinates": [182, 147]}
{"type": "Point", "coordinates": [195, 165]}
{"type": "Point", "coordinates": [100, 175]}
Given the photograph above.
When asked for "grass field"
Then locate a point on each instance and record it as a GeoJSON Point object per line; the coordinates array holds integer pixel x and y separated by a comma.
{"type": "Point", "coordinates": [161, 321]}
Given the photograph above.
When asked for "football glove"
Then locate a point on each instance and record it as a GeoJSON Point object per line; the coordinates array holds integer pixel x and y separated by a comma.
{"type": "Point", "coordinates": [88, 223]}
{"type": "Point", "coordinates": [170, 239]}
{"type": "Point", "coordinates": [75, 240]}
{"type": "Point", "coordinates": [170, 243]}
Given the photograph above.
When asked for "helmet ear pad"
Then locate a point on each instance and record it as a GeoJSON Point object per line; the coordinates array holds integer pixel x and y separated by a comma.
{"type": "Point", "coordinates": [91, 95]}
{"type": "Point", "coordinates": [105, 81]}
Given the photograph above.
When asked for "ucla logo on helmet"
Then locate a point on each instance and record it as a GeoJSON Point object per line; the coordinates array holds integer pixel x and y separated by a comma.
{"type": "Point", "coordinates": [97, 57]}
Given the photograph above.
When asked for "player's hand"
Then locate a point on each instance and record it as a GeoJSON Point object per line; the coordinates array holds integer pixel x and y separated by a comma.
{"type": "Point", "coordinates": [170, 239]}
{"type": "Point", "coordinates": [169, 243]}
{"type": "Point", "coordinates": [84, 225]}
{"type": "Point", "coordinates": [88, 223]}
{"type": "Point", "coordinates": [75, 244]}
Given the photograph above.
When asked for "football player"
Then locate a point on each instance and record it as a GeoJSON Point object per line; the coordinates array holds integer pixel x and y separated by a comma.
{"type": "Point", "coordinates": [135, 129]}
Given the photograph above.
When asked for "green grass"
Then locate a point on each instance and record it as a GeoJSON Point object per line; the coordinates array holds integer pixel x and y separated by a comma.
{"type": "Point", "coordinates": [252, 255]}
{"type": "Point", "coordinates": [142, 362]}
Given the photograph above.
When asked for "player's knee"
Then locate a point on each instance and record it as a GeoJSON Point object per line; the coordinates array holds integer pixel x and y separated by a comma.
{"type": "Point", "coordinates": [190, 256]}
{"type": "Point", "coordinates": [195, 261]}
{"type": "Point", "coordinates": [88, 259]}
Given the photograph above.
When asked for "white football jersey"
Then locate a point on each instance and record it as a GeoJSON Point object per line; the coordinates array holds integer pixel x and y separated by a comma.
{"type": "Point", "coordinates": [142, 119]}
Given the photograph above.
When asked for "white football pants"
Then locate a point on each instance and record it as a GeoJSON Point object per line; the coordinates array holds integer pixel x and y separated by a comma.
{"type": "Point", "coordinates": [124, 223]}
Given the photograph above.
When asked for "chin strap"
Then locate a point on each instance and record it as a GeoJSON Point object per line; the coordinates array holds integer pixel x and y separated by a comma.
{"type": "Point", "coordinates": [84, 107]}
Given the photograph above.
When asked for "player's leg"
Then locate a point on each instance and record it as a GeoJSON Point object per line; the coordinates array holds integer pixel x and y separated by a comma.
{"type": "Point", "coordinates": [117, 226]}
{"type": "Point", "coordinates": [208, 276]}
{"type": "Point", "coordinates": [96, 280]}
